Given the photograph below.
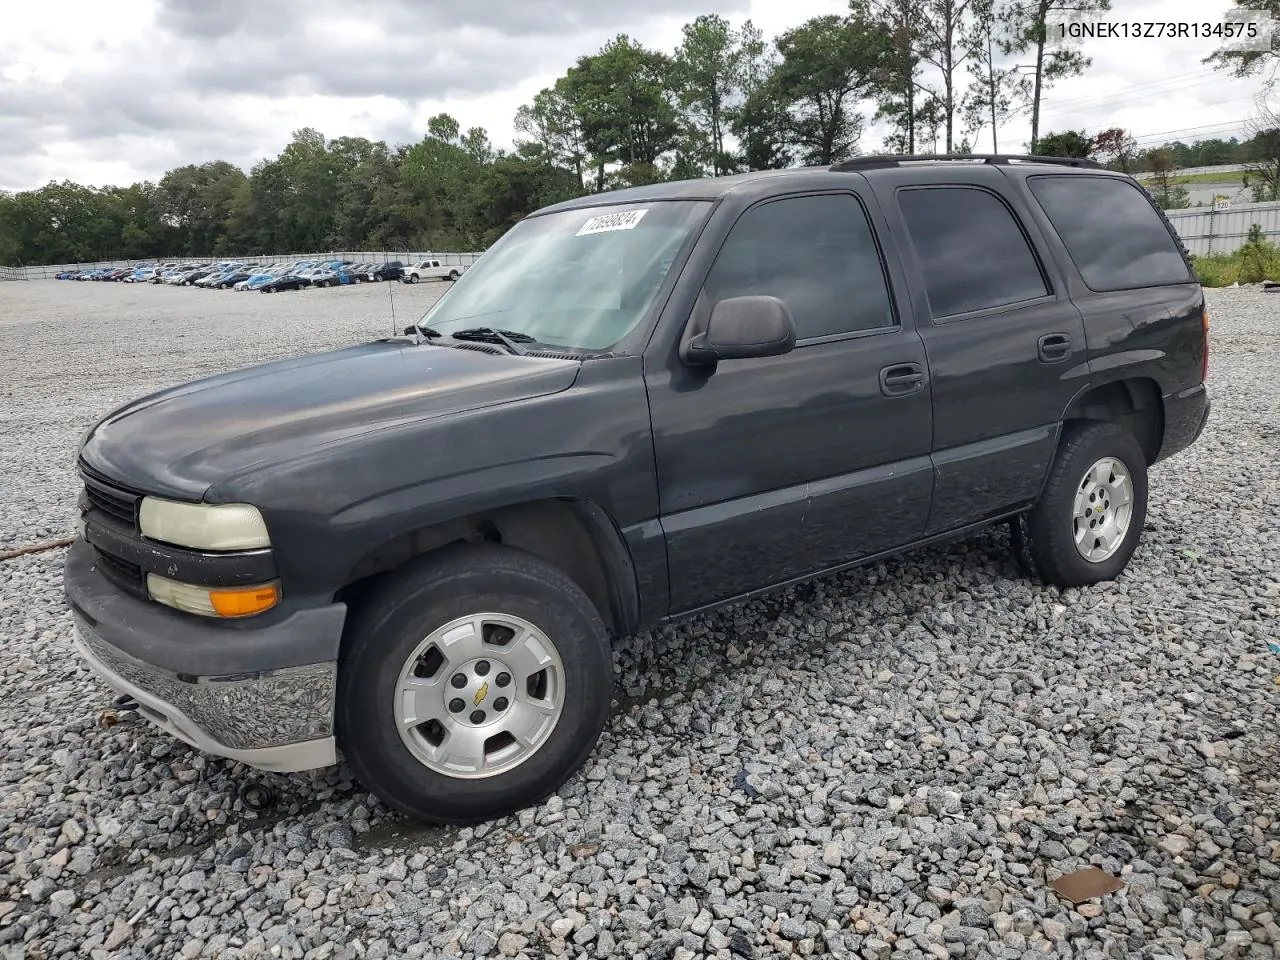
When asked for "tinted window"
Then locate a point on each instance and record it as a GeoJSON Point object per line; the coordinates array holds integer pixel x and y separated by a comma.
{"type": "Point", "coordinates": [1112, 232]}
{"type": "Point", "coordinates": [973, 253]}
{"type": "Point", "coordinates": [815, 254]}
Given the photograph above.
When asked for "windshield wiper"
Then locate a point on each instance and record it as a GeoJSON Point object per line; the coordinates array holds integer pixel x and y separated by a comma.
{"type": "Point", "coordinates": [511, 339]}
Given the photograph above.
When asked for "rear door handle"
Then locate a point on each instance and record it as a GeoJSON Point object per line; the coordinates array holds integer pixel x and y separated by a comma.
{"type": "Point", "coordinates": [1054, 347]}
{"type": "Point", "coordinates": [901, 379]}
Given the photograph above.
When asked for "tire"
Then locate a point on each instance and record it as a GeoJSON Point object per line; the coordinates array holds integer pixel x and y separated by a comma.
{"type": "Point", "coordinates": [387, 637]}
{"type": "Point", "coordinates": [453, 274]}
{"type": "Point", "coordinates": [1045, 540]}
{"type": "Point", "coordinates": [413, 278]}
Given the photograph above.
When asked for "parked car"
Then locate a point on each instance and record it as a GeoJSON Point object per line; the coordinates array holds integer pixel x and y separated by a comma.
{"type": "Point", "coordinates": [392, 270]}
{"type": "Point", "coordinates": [233, 277]}
{"type": "Point", "coordinates": [429, 270]}
{"type": "Point", "coordinates": [287, 281]}
{"type": "Point", "coordinates": [635, 407]}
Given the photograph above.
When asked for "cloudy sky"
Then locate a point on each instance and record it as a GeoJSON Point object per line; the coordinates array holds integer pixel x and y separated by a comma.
{"type": "Point", "coordinates": [113, 97]}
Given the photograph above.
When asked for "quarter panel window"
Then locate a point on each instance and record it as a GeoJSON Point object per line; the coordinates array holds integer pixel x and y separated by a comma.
{"type": "Point", "coordinates": [1113, 233]}
{"type": "Point", "coordinates": [972, 251]}
{"type": "Point", "coordinates": [816, 254]}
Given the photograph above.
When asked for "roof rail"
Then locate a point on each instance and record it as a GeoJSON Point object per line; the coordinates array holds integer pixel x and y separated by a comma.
{"type": "Point", "coordinates": [893, 160]}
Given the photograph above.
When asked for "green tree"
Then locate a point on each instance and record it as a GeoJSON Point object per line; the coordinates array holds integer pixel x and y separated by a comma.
{"type": "Point", "coordinates": [1249, 63]}
{"type": "Point", "coordinates": [196, 200]}
{"type": "Point", "coordinates": [760, 124]}
{"type": "Point", "coordinates": [553, 129]}
{"type": "Point", "coordinates": [1026, 31]}
{"type": "Point", "coordinates": [707, 74]}
{"type": "Point", "coordinates": [828, 65]}
{"type": "Point", "coordinates": [1070, 143]}
{"type": "Point", "coordinates": [896, 81]}
{"type": "Point", "coordinates": [990, 97]}
{"type": "Point", "coordinates": [1168, 194]}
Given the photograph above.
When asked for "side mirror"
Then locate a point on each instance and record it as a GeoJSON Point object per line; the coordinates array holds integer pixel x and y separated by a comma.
{"type": "Point", "coordinates": [741, 328]}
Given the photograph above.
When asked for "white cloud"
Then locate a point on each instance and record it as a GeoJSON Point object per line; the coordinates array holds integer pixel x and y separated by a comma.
{"type": "Point", "coordinates": [158, 83]}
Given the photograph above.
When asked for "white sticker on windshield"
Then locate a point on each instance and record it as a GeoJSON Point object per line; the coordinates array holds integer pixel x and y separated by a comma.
{"type": "Point", "coordinates": [626, 220]}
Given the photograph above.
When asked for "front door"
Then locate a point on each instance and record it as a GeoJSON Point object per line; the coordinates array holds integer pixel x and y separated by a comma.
{"type": "Point", "coordinates": [771, 469]}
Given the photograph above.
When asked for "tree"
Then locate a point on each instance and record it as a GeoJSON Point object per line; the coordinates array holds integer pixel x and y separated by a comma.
{"type": "Point", "coordinates": [1027, 30]}
{"type": "Point", "coordinates": [196, 200]}
{"type": "Point", "coordinates": [553, 125]}
{"type": "Point", "coordinates": [1070, 143]}
{"type": "Point", "coordinates": [760, 123]}
{"type": "Point", "coordinates": [949, 43]}
{"type": "Point", "coordinates": [1248, 63]}
{"type": "Point", "coordinates": [897, 79]}
{"type": "Point", "coordinates": [625, 104]}
{"type": "Point", "coordinates": [1117, 148]}
{"type": "Point", "coordinates": [1262, 170]}
{"type": "Point", "coordinates": [991, 93]}
{"type": "Point", "coordinates": [1168, 195]}
{"type": "Point", "coordinates": [707, 72]}
{"type": "Point", "coordinates": [828, 64]}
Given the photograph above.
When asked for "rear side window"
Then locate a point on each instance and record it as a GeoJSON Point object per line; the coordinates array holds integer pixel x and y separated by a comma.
{"type": "Point", "coordinates": [1115, 237]}
{"type": "Point", "coordinates": [972, 251]}
{"type": "Point", "coordinates": [816, 254]}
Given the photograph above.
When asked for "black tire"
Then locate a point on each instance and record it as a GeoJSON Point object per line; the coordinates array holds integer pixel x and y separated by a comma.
{"type": "Point", "coordinates": [1044, 540]}
{"type": "Point", "coordinates": [413, 278]}
{"type": "Point", "coordinates": [453, 274]}
{"type": "Point", "coordinates": [421, 597]}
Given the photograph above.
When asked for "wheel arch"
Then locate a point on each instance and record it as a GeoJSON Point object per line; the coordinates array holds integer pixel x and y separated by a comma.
{"type": "Point", "coordinates": [577, 536]}
{"type": "Point", "coordinates": [1135, 403]}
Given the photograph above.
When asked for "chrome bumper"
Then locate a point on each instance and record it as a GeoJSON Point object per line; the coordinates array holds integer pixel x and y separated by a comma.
{"type": "Point", "coordinates": [279, 720]}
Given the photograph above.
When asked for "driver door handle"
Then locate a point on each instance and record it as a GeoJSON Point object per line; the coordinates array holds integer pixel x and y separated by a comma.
{"type": "Point", "coordinates": [901, 379]}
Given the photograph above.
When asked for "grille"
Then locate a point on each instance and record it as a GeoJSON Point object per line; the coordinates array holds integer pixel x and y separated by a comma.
{"type": "Point", "coordinates": [121, 572]}
{"type": "Point", "coordinates": [110, 499]}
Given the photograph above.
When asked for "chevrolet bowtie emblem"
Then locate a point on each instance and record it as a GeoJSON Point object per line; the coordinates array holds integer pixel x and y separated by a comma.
{"type": "Point", "coordinates": [481, 694]}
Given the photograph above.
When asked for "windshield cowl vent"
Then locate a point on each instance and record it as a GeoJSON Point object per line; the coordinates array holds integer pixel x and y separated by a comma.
{"type": "Point", "coordinates": [480, 347]}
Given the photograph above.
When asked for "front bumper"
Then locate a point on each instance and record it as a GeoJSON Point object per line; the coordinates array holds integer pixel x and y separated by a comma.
{"type": "Point", "coordinates": [224, 691]}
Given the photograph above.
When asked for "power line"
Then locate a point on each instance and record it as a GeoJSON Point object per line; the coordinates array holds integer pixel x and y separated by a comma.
{"type": "Point", "coordinates": [1145, 86]}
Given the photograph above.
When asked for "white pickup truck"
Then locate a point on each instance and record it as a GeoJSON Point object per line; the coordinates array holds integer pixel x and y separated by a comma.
{"type": "Point", "coordinates": [429, 270]}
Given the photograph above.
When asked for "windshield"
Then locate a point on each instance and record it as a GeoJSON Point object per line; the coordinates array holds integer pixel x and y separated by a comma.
{"type": "Point", "coordinates": [581, 279]}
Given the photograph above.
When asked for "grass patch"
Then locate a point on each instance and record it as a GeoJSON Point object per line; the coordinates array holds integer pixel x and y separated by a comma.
{"type": "Point", "coordinates": [1230, 178]}
{"type": "Point", "coordinates": [1257, 260]}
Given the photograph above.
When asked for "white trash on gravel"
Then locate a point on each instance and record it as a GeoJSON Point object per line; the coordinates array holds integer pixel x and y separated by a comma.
{"type": "Point", "coordinates": [897, 761]}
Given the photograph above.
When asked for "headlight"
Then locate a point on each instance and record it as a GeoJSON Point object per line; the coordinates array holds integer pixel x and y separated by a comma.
{"type": "Point", "coordinates": [203, 526]}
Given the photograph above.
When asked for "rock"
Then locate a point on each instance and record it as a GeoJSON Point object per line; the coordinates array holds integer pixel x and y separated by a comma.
{"type": "Point", "coordinates": [510, 944]}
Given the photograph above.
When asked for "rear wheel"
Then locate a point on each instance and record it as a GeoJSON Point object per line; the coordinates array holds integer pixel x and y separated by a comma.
{"type": "Point", "coordinates": [453, 274]}
{"type": "Point", "coordinates": [1090, 516]}
{"type": "Point", "coordinates": [472, 684]}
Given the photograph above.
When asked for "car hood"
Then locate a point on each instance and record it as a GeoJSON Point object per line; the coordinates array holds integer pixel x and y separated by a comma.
{"type": "Point", "coordinates": [178, 442]}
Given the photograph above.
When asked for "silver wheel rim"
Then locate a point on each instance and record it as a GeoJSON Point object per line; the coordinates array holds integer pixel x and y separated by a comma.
{"type": "Point", "coordinates": [479, 696]}
{"type": "Point", "coordinates": [1103, 509]}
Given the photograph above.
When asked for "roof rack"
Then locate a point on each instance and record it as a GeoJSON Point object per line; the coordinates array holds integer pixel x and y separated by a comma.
{"type": "Point", "coordinates": [893, 160]}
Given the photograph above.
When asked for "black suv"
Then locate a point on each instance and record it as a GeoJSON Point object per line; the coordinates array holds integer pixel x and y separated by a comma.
{"type": "Point", "coordinates": [387, 271]}
{"type": "Point", "coordinates": [635, 406]}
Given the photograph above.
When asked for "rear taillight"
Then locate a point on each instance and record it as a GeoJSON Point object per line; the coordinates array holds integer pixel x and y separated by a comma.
{"type": "Point", "coordinates": [1204, 329]}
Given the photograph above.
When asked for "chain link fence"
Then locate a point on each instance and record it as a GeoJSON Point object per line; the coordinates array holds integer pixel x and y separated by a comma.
{"type": "Point", "coordinates": [50, 271]}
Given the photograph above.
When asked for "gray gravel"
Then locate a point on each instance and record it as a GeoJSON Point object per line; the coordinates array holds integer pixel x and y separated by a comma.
{"type": "Point", "coordinates": [893, 762]}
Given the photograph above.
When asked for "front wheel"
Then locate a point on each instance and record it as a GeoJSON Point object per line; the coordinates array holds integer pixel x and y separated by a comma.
{"type": "Point", "coordinates": [1090, 516]}
{"type": "Point", "coordinates": [413, 278]}
{"type": "Point", "coordinates": [472, 684]}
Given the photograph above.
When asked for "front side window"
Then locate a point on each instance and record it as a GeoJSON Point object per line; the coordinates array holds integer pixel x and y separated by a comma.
{"type": "Point", "coordinates": [972, 252]}
{"type": "Point", "coordinates": [580, 279]}
{"type": "Point", "coordinates": [1113, 233]}
{"type": "Point", "coordinates": [817, 255]}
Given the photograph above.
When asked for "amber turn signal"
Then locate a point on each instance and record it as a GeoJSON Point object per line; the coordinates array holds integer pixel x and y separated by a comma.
{"type": "Point", "coordinates": [245, 601]}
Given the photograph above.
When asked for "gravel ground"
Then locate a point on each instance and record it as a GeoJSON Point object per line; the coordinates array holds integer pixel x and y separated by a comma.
{"type": "Point", "coordinates": [892, 762]}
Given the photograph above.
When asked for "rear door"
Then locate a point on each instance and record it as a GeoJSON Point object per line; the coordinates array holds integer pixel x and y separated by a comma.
{"type": "Point", "coordinates": [1006, 345]}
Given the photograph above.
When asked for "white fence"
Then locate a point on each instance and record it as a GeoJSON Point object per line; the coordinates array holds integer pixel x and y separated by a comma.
{"type": "Point", "coordinates": [1205, 230]}
{"type": "Point", "coordinates": [356, 256]}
